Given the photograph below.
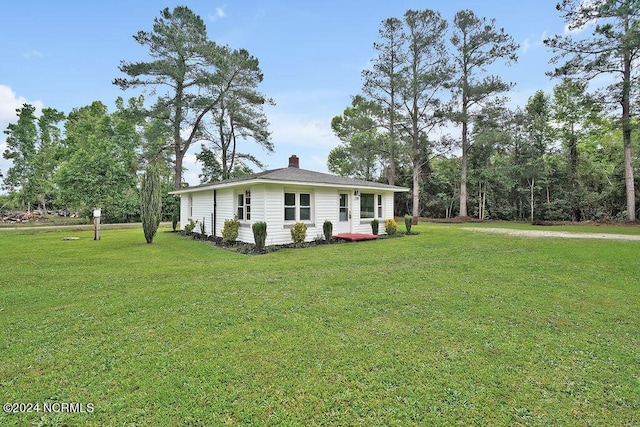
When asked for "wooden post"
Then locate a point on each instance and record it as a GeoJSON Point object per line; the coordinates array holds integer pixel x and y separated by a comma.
{"type": "Point", "coordinates": [96, 224]}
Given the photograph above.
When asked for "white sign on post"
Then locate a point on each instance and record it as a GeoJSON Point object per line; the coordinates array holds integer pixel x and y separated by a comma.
{"type": "Point", "coordinates": [96, 224]}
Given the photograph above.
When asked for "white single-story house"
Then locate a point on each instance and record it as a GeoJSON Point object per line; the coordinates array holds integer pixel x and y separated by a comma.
{"type": "Point", "coordinates": [282, 197]}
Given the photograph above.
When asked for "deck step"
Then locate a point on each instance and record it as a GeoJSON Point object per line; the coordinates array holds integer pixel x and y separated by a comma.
{"type": "Point", "coordinates": [352, 237]}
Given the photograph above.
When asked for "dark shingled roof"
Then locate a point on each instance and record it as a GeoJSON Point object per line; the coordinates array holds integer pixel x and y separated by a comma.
{"type": "Point", "coordinates": [294, 174]}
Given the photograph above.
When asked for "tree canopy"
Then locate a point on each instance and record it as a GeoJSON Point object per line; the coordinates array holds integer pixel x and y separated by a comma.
{"type": "Point", "coordinates": [612, 48]}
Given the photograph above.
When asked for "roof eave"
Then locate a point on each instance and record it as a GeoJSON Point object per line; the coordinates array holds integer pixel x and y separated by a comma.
{"type": "Point", "coordinates": [216, 186]}
{"type": "Point", "coordinates": [212, 186]}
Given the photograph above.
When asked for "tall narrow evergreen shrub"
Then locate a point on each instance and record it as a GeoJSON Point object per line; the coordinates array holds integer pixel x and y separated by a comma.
{"type": "Point", "coordinates": [259, 234]}
{"type": "Point", "coordinates": [408, 221]}
{"type": "Point", "coordinates": [375, 224]}
{"type": "Point", "coordinates": [175, 218]}
{"type": "Point", "coordinates": [327, 230]}
{"type": "Point", "coordinates": [151, 201]}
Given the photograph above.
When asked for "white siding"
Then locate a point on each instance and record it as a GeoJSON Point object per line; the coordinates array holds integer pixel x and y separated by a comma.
{"type": "Point", "coordinates": [225, 208]}
{"type": "Point", "coordinates": [202, 210]}
{"type": "Point", "coordinates": [327, 201]}
{"type": "Point", "coordinates": [324, 202]}
{"type": "Point", "coordinates": [387, 205]}
{"type": "Point", "coordinates": [364, 225]}
{"type": "Point", "coordinates": [267, 204]}
{"type": "Point", "coordinates": [184, 210]}
{"type": "Point", "coordinates": [274, 215]}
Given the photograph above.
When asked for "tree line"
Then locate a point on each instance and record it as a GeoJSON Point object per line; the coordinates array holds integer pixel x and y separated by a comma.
{"type": "Point", "coordinates": [566, 155]}
{"type": "Point", "coordinates": [199, 92]}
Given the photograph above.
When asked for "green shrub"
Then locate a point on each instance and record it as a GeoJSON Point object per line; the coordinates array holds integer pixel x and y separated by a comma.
{"type": "Point", "coordinates": [408, 222]}
{"type": "Point", "coordinates": [375, 225]}
{"type": "Point", "coordinates": [259, 234]}
{"type": "Point", "coordinates": [327, 229]}
{"type": "Point", "coordinates": [230, 229]}
{"type": "Point", "coordinates": [390, 226]}
{"type": "Point", "coordinates": [175, 217]}
{"type": "Point", "coordinates": [151, 201]}
{"type": "Point", "coordinates": [299, 233]}
{"type": "Point", "coordinates": [189, 227]}
{"type": "Point", "coordinates": [202, 228]}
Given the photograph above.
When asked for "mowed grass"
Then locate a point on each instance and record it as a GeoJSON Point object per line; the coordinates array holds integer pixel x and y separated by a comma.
{"type": "Point", "coordinates": [448, 327]}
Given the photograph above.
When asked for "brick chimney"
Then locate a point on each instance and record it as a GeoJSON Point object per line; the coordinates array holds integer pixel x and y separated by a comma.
{"type": "Point", "coordinates": [294, 162]}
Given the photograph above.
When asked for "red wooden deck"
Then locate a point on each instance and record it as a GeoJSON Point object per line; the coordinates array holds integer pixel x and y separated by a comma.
{"type": "Point", "coordinates": [352, 237]}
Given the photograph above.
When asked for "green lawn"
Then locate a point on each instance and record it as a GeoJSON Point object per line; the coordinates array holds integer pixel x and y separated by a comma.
{"type": "Point", "coordinates": [448, 327]}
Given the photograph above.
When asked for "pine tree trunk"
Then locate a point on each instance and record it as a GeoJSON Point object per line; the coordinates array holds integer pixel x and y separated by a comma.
{"type": "Point", "coordinates": [463, 173]}
{"type": "Point", "coordinates": [416, 189]}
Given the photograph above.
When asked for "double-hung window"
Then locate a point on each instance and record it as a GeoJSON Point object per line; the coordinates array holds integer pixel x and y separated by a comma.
{"type": "Point", "coordinates": [305, 207]}
{"type": "Point", "coordinates": [289, 206]}
{"type": "Point", "coordinates": [297, 206]}
{"type": "Point", "coordinates": [244, 206]}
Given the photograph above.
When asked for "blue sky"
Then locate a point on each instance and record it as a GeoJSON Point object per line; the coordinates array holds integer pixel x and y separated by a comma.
{"type": "Point", "coordinates": [65, 55]}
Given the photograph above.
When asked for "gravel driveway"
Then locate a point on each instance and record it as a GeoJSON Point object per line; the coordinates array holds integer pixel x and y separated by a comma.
{"type": "Point", "coordinates": [541, 233]}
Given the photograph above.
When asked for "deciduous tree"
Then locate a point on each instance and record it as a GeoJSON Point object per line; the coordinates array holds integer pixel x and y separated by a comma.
{"type": "Point", "coordinates": [32, 145]}
{"type": "Point", "coordinates": [611, 48]}
{"type": "Point", "coordinates": [574, 113]}
{"type": "Point", "coordinates": [362, 148]}
{"type": "Point", "coordinates": [99, 163]}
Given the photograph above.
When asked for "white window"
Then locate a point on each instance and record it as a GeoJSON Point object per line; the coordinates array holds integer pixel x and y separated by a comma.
{"type": "Point", "coordinates": [379, 205]}
{"type": "Point", "coordinates": [244, 206]}
{"type": "Point", "coordinates": [190, 205]}
{"type": "Point", "coordinates": [367, 206]}
{"type": "Point", "coordinates": [289, 206]}
{"type": "Point", "coordinates": [297, 206]}
{"type": "Point", "coordinates": [305, 207]}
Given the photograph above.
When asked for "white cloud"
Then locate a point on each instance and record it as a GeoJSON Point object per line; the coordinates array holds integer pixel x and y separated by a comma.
{"type": "Point", "coordinates": [571, 29]}
{"type": "Point", "coordinates": [9, 102]}
{"type": "Point", "coordinates": [33, 54]}
{"type": "Point", "coordinates": [534, 41]}
{"type": "Point", "coordinates": [310, 138]}
{"type": "Point", "coordinates": [191, 166]}
{"type": "Point", "coordinates": [577, 30]}
{"type": "Point", "coordinates": [299, 131]}
{"type": "Point", "coordinates": [219, 13]}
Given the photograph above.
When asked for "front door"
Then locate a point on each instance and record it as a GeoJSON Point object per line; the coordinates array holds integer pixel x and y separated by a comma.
{"type": "Point", "coordinates": [344, 214]}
